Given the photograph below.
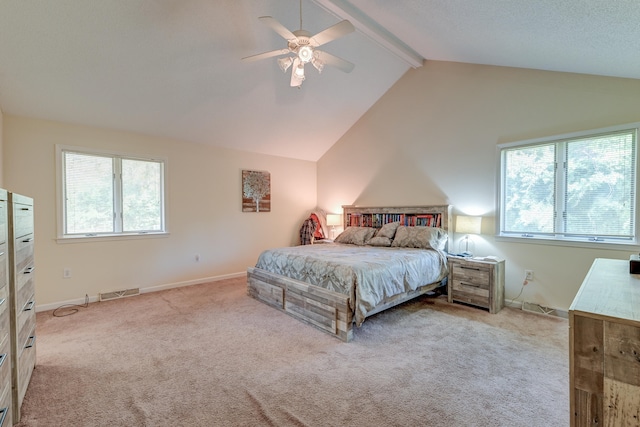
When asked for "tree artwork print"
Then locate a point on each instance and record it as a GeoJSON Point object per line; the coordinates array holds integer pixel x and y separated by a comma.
{"type": "Point", "coordinates": [256, 191]}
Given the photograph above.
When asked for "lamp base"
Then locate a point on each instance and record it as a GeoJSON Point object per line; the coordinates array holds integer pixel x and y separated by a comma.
{"type": "Point", "coordinates": [466, 247]}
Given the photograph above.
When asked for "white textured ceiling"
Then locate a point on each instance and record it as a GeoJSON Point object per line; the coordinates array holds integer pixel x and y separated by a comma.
{"type": "Point", "coordinates": [172, 67]}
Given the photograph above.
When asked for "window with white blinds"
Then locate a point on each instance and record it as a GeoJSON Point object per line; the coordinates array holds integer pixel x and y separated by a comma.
{"type": "Point", "coordinates": [108, 194]}
{"type": "Point", "coordinates": [580, 188]}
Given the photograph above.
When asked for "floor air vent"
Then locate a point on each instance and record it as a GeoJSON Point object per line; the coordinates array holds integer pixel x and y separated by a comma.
{"type": "Point", "coordinates": [537, 308]}
{"type": "Point", "coordinates": [106, 296]}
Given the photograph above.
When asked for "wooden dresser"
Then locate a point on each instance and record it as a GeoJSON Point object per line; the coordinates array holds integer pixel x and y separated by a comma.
{"type": "Point", "coordinates": [604, 347]}
{"type": "Point", "coordinates": [22, 296]}
{"type": "Point", "coordinates": [6, 409]}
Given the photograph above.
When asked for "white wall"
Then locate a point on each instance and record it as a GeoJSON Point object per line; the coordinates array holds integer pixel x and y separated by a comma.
{"type": "Point", "coordinates": [432, 139]}
{"type": "Point", "coordinates": [204, 211]}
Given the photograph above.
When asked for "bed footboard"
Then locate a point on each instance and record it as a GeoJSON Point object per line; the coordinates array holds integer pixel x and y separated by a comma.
{"type": "Point", "coordinates": [326, 310]}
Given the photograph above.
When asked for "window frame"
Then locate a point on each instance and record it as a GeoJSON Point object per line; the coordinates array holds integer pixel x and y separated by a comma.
{"type": "Point", "coordinates": [560, 239]}
{"type": "Point", "coordinates": [118, 235]}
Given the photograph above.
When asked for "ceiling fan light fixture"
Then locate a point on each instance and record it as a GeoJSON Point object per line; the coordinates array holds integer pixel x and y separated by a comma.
{"type": "Point", "coordinates": [318, 64]}
{"type": "Point", "coordinates": [285, 63]}
{"type": "Point", "coordinates": [305, 54]}
{"type": "Point", "coordinates": [299, 71]}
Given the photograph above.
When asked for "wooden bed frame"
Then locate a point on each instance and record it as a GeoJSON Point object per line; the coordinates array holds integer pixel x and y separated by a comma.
{"type": "Point", "coordinates": [326, 310]}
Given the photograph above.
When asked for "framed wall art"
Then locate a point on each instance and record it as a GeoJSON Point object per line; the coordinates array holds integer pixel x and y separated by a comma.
{"type": "Point", "coordinates": [256, 191]}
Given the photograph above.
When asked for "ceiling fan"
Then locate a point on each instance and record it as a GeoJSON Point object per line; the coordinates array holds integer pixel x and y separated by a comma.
{"type": "Point", "coordinates": [303, 46]}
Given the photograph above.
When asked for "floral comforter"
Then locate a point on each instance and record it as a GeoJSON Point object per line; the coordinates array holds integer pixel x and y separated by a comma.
{"type": "Point", "coordinates": [369, 275]}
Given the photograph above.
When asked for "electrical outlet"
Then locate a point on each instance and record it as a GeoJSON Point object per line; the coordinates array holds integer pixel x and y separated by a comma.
{"type": "Point", "coordinates": [528, 275]}
{"type": "Point", "coordinates": [66, 273]}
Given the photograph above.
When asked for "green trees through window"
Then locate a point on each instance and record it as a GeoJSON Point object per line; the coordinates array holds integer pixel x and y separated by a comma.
{"type": "Point", "coordinates": [107, 194]}
{"type": "Point", "coordinates": [581, 188]}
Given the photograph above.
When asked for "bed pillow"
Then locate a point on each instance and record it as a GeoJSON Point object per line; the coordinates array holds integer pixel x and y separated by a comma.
{"type": "Point", "coordinates": [420, 237]}
{"type": "Point", "coordinates": [379, 241]}
{"type": "Point", "coordinates": [355, 235]}
{"type": "Point", "coordinates": [388, 230]}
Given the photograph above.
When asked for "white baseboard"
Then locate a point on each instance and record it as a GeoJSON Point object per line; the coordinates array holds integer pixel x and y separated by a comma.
{"type": "Point", "coordinates": [95, 298]}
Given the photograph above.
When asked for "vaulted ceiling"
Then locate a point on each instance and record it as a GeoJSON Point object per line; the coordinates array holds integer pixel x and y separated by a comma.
{"type": "Point", "coordinates": [173, 68]}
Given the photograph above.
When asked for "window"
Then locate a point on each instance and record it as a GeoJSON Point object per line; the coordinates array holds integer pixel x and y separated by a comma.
{"type": "Point", "coordinates": [576, 188]}
{"type": "Point", "coordinates": [107, 195]}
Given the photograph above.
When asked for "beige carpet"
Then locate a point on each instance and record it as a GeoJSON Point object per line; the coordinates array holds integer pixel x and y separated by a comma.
{"type": "Point", "coordinates": [209, 355]}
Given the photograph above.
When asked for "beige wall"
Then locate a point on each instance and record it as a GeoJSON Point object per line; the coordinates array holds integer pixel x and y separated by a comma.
{"type": "Point", "coordinates": [204, 211]}
{"type": "Point", "coordinates": [432, 139]}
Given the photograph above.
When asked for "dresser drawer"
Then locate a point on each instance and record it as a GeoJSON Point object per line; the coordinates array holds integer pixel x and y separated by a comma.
{"type": "Point", "coordinates": [5, 363]}
{"type": "Point", "coordinates": [5, 321]}
{"type": "Point", "coordinates": [4, 263]}
{"type": "Point", "coordinates": [26, 363]}
{"type": "Point", "coordinates": [4, 305]}
{"type": "Point", "coordinates": [24, 291]}
{"type": "Point", "coordinates": [3, 217]}
{"type": "Point", "coordinates": [23, 252]}
{"type": "Point", "coordinates": [22, 218]}
{"type": "Point", "coordinates": [6, 414]}
{"type": "Point", "coordinates": [26, 324]}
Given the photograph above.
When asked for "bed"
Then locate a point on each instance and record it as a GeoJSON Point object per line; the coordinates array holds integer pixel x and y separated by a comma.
{"type": "Point", "coordinates": [384, 257]}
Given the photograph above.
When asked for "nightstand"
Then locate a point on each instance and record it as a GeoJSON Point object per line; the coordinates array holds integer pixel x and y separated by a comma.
{"type": "Point", "coordinates": [477, 282]}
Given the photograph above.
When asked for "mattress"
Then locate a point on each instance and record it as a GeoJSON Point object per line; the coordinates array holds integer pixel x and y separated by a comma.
{"type": "Point", "coordinates": [368, 275]}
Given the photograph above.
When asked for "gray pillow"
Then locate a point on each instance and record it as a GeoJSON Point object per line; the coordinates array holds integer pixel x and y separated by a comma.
{"type": "Point", "coordinates": [388, 230]}
{"type": "Point", "coordinates": [379, 241]}
{"type": "Point", "coordinates": [420, 237]}
{"type": "Point", "coordinates": [355, 235]}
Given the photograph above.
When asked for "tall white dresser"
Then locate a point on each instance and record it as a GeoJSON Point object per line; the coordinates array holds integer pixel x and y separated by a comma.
{"type": "Point", "coordinates": [22, 296]}
{"type": "Point", "coordinates": [6, 409]}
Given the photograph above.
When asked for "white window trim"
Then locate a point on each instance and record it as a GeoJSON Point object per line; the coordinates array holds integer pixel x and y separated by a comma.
{"type": "Point", "coordinates": [62, 238]}
{"type": "Point", "coordinates": [632, 245]}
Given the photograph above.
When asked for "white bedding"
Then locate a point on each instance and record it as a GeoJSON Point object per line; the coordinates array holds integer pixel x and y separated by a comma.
{"type": "Point", "coordinates": [369, 275]}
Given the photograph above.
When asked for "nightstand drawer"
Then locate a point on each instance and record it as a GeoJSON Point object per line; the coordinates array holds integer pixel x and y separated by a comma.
{"type": "Point", "coordinates": [460, 286]}
{"type": "Point", "coordinates": [471, 275]}
{"type": "Point", "coordinates": [471, 299]}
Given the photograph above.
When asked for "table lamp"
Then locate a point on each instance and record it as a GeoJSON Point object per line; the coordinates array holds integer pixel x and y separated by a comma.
{"type": "Point", "coordinates": [334, 220]}
{"type": "Point", "coordinates": [468, 225]}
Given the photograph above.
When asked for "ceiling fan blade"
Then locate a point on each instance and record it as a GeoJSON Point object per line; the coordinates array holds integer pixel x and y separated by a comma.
{"type": "Point", "coordinates": [295, 80]}
{"type": "Point", "coordinates": [266, 55]}
{"type": "Point", "coordinates": [334, 61]}
{"type": "Point", "coordinates": [342, 28]}
{"type": "Point", "coordinates": [277, 27]}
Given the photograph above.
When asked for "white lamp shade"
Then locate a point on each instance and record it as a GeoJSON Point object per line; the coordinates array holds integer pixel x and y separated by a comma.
{"type": "Point", "coordinates": [334, 220]}
{"type": "Point", "coordinates": [468, 224]}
